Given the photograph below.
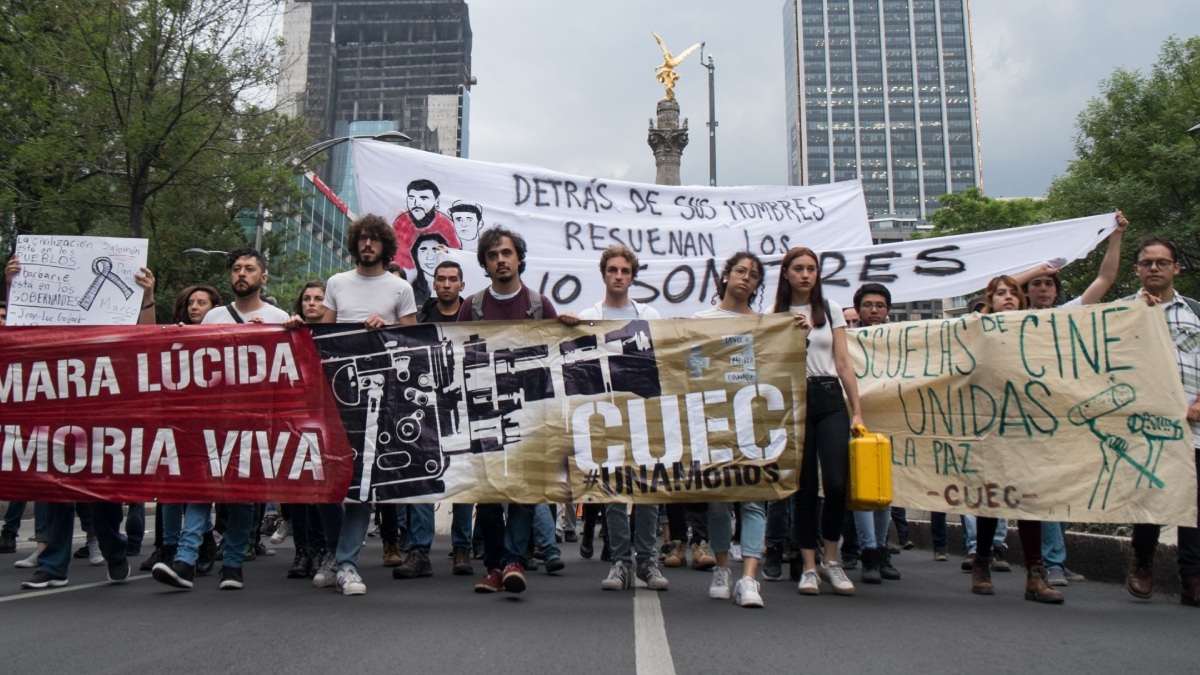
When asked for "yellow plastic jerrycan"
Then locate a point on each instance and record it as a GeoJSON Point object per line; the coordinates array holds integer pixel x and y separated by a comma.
{"type": "Point", "coordinates": [870, 486]}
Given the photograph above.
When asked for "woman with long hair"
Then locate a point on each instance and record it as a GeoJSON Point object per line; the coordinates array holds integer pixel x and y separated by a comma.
{"type": "Point", "coordinates": [828, 423]}
{"type": "Point", "coordinates": [1004, 294]}
{"type": "Point", "coordinates": [738, 289]}
{"type": "Point", "coordinates": [193, 303]}
{"type": "Point", "coordinates": [310, 304]}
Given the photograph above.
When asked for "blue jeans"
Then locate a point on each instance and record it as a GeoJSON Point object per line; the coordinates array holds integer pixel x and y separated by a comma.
{"type": "Point", "coordinates": [645, 526]}
{"type": "Point", "coordinates": [135, 524]}
{"type": "Point", "coordinates": [779, 522]}
{"type": "Point", "coordinates": [754, 527]}
{"type": "Point", "coordinates": [355, 523]}
{"type": "Point", "coordinates": [172, 526]}
{"type": "Point", "coordinates": [1054, 545]}
{"type": "Point", "coordinates": [543, 531]}
{"type": "Point", "coordinates": [60, 528]}
{"type": "Point", "coordinates": [517, 530]}
{"type": "Point", "coordinates": [420, 526]}
{"type": "Point", "coordinates": [968, 523]}
{"type": "Point", "coordinates": [872, 528]}
{"type": "Point", "coordinates": [12, 517]}
{"type": "Point", "coordinates": [937, 531]}
{"type": "Point", "coordinates": [460, 526]}
{"type": "Point", "coordinates": [197, 519]}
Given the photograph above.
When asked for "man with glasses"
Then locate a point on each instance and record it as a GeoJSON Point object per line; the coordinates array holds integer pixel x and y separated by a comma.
{"type": "Point", "coordinates": [1157, 266]}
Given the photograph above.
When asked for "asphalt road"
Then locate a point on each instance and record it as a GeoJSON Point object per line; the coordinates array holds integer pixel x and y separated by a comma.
{"type": "Point", "coordinates": [929, 622]}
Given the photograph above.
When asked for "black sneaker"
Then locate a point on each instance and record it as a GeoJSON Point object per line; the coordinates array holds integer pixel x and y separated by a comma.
{"type": "Point", "coordinates": [118, 572]}
{"type": "Point", "coordinates": [555, 564]}
{"type": "Point", "coordinates": [231, 579]}
{"type": "Point", "coordinates": [156, 557]}
{"type": "Point", "coordinates": [207, 555]}
{"type": "Point", "coordinates": [999, 564]}
{"type": "Point", "coordinates": [178, 574]}
{"type": "Point", "coordinates": [301, 566]}
{"type": "Point", "coordinates": [8, 542]}
{"type": "Point", "coordinates": [42, 579]}
{"type": "Point", "coordinates": [773, 564]}
{"type": "Point", "coordinates": [81, 553]}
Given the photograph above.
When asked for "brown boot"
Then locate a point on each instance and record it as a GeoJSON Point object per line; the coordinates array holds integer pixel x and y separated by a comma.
{"type": "Point", "coordinates": [981, 575]}
{"type": "Point", "coordinates": [1189, 592]}
{"type": "Point", "coordinates": [677, 556]}
{"type": "Point", "coordinates": [1140, 581]}
{"type": "Point", "coordinates": [1036, 587]}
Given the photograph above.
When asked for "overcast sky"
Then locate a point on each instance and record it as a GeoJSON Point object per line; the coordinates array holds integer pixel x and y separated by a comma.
{"type": "Point", "coordinates": [570, 86]}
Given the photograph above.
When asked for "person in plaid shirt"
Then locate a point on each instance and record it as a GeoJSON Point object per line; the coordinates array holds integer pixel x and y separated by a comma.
{"type": "Point", "coordinates": [1157, 266]}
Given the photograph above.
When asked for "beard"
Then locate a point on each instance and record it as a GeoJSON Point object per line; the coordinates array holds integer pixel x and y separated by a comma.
{"type": "Point", "coordinates": [247, 291]}
{"type": "Point", "coordinates": [422, 222]}
{"type": "Point", "coordinates": [370, 259]}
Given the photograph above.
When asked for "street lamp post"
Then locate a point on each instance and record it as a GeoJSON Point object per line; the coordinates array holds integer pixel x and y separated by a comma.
{"type": "Point", "coordinates": [712, 118]}
{"type": "Point", "coordinates": [298, 159]}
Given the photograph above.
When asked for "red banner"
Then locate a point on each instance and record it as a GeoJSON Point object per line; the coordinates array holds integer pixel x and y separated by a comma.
{"type": "Point", "coordinates": [188, 414]}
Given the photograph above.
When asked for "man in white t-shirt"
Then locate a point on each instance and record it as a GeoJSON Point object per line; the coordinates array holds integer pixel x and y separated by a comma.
{"type": "Point", "coordinates": [247, 275]}
{"type": "Point", "coordinates": [619, 267]}
{"type": "Point", "coordinates": [369, 295]}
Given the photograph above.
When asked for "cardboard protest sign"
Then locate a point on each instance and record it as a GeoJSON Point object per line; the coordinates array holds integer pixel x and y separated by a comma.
{"type": "Point", "coordinates": [1072, 414]}
{"type": "Point", "coordinates": [68, 280]}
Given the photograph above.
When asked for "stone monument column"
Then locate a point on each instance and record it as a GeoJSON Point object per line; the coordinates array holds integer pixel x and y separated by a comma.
{"type": "Point", "coordinates": [667, 139]}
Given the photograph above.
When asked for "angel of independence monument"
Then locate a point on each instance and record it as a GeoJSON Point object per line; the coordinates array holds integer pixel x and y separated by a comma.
{"type": "Point", "coordinates": [667, 137]}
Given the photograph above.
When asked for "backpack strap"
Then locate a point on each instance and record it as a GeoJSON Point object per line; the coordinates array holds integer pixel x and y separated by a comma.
{"type": "Point", "coordinates": [535, 305]}
{"type": "Point", "coordinates": [1195, 306]}
{"type": "Point", "coordinates": [237, 318]}
{"type": "Point", "coordinates": [477, 306]}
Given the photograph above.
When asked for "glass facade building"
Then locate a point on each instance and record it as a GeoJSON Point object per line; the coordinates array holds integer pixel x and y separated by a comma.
{"type": "Point", "coordinates": [361, 67]}
{"type": "Point", "coordinates": [882, 90]}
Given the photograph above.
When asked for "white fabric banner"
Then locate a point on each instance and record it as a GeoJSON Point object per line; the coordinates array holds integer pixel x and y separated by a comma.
{"type": "Point", "coordinates": [569, 220]}
{"type": "Point", "coordinates": [944, 267]}
{"type": "Point", "coordinates": [682, 235]}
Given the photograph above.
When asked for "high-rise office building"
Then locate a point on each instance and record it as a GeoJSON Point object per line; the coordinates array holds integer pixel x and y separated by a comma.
{"type": "Point", "coordinates": [882, 90]}
{"type": "Point", "coordinates": [361, 67]}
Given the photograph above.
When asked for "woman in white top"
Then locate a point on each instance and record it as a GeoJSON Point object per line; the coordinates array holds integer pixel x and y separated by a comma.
{"type": "Point", "coordinates": [737, 289]}
{"type": "Point", "coordinates": [828, 423]}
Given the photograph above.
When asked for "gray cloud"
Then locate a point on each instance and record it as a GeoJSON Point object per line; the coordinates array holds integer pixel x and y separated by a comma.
{"type": "Point", "coordinates": [570, 86]}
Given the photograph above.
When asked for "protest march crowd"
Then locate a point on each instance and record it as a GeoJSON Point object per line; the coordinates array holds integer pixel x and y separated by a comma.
{"type": "Point", "coordinates": [812, 530]}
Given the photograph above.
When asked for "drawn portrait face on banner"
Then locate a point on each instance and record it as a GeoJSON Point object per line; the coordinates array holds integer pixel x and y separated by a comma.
{"type": "Point", "coordinates": [468, 220]}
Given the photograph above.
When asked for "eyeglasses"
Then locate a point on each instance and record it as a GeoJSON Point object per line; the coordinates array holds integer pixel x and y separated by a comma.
{"type": "Point", "coordinates": [1160, 263]}
{"type": "Point", "coordinates": [746, 272]}
{"type": "Point", "coordinates": [874, 305]}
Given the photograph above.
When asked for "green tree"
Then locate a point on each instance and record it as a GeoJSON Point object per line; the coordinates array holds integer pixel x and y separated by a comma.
{"type": "Point", "coordinates": [970, 211]}
{"type": "Point", "coordinates": [1133, 152]}
{"type": "Point", "coordinates": [142, 118]}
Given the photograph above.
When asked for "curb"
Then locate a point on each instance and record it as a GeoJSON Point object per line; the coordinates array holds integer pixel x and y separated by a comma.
{"type": "Point", "coordinates": [1096, 556]}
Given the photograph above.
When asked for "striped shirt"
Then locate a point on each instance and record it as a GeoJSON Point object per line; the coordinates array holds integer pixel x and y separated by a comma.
{"type": "Point", "coordinates": [1185, 333]}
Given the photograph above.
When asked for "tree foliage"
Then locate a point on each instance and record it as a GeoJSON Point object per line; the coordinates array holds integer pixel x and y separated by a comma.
{"type": "Point", "coordinates": [970, 212]}
{"type": "Point", "coordinates": [142, 118]}
{"type": "Point", "coordinates": [1133, 152]}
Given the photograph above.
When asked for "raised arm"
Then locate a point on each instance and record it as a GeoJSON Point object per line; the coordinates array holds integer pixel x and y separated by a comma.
{"type": "Point", "coordinates": [1109, 266]}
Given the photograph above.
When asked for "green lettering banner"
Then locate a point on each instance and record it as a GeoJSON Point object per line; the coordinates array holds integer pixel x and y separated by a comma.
{"type": "Point", "coordinates": [1073, 414]}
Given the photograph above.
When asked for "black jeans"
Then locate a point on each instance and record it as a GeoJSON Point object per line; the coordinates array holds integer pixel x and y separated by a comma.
{"type": "Point", "coordinates": [1145, 542]}
{"type": "Point", "coordinates": [827, 447]}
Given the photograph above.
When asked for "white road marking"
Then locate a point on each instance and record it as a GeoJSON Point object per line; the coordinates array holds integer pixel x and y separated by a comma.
{"type": "Point", "coordinates": [652, 652]}
{"type": "Point", "coordinates": [26, 594]}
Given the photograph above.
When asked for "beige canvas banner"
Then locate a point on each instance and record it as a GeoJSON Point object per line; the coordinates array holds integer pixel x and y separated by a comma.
{"type": "Point", "coordinates": [1067, 414]}
{"type": "Point", "coordinates": [635, 411]}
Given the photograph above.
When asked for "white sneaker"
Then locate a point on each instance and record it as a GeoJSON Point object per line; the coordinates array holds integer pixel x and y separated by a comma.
{"type": "Point", "coordinates": [745, 593]}
{"type": "Point", "coordinates": [735, 552]}
{"type": "Point", "coordinates": [282, 530]}
{"type": "Point", "coordinates": [836, 576]}
{"type": "Point", "coordinates": [27, 563]}
{"type": "Point", "coordinates": [719, 588]}
{"type": "Point", "coordinates": [810, 584]}
{"type": "Point", "coordinates": [326, 574]}
{"type": "Point", "coordinates": [349, 582]}
{"type": "Point", "coordinates": [95, 557]}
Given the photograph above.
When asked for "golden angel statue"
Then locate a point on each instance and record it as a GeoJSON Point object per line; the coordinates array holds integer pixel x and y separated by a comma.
{"type": "Point", "coordinates": [666, 72]}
